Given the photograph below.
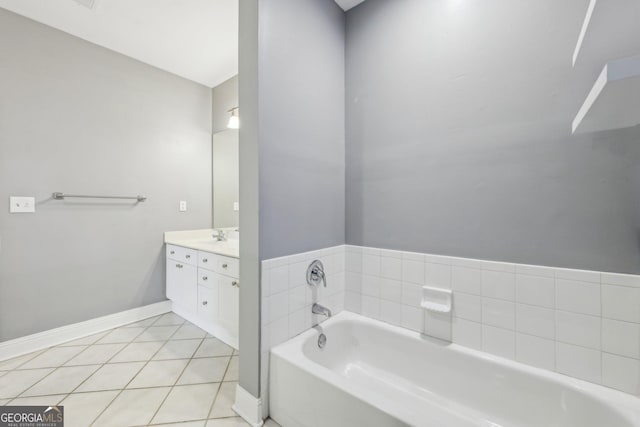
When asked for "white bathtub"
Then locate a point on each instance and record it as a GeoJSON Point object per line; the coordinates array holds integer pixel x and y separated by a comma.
{"type": "Point", "coordinates": [374, 374]}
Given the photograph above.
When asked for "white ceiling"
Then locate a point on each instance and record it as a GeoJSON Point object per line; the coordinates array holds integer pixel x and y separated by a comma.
{"type": "Point", "coordinates": [195, 39]}
{"type": "Point", "coordinates": [348, 4]}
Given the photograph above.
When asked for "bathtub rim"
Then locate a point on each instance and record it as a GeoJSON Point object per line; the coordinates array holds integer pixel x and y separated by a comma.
{"type": "Point", "coordinates": [292, 351]}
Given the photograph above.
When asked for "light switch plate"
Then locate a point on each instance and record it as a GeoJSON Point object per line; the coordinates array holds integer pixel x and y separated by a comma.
{"type": "Point", "coordinates": [21, 204]}
{"type": "Point", "coordinates": [183, 205]}
{"type": "Point", "coordinates": [236, 206]}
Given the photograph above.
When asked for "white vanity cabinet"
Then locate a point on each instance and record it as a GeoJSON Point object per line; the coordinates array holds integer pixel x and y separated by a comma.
{"type": "Point", "coordinates": [181, 283]}
{"type": "Point", "coordinates": [204, 289]}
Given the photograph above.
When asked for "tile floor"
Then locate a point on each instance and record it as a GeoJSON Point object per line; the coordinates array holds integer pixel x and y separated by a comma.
{"type": "Point", "coordinates": [159, 371]}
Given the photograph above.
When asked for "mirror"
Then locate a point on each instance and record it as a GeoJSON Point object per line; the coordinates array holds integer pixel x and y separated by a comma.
{"type": "Point", "coordinates": [226, 179]}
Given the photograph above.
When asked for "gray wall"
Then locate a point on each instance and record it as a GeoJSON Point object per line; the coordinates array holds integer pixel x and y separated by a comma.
{"type": "Point", "coordinates": [292, 153]}
{"type": "Point", "coordinates": [301, 139]}
{"type": "Point", "coordinates": [458, 137]}
{"type": "Point", "coordinates": [77, 118]}
{"type": "Point", "coordinates": [225, 178]}
{"type": "Point", "coordinates": [249, 336]}
{"type": "Point", "coordinates": [225, 97]}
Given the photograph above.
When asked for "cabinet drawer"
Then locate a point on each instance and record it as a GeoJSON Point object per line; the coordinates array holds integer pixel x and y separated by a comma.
{"type": "Point", "coordinates": [207, 278]}
{"type": "Point", "coordinates": [207, 303]}
{"type": "Point", "coordinates": [185, 255]}
{"type": "Point", "coordinates": [228, 266]}
{"type": "Point", "coordinates": [207, 260]}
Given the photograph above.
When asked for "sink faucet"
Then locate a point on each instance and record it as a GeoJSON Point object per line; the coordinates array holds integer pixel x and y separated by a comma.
{"type": "Point", "coordinates": [219, 235]}
{"type": "Point", "coordinates": [318, 309]}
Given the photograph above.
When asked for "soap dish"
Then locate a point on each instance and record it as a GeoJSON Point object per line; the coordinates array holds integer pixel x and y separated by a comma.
{"type": "Point", "coordinates": [436, 299]}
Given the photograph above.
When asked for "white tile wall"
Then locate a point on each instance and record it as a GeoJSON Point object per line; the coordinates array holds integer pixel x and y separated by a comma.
{"type": "Point", "coordinates": [287, 299]}
{"type": "Point", "coordinates": [585, 324]}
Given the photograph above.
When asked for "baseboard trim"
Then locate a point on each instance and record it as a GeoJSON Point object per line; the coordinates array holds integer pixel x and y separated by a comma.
{"type": "Point", "coordinates": [248, 407]}
{"type": "Point", "coordinates": [23, 345]}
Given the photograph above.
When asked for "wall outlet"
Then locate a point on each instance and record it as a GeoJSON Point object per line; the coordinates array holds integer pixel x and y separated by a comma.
{"type": "Point", "coordinates": [183, 205]}
{"type": "Point", "coordinates": [236, 206]}
{"type": "Point", "coordinates": [19, 204]}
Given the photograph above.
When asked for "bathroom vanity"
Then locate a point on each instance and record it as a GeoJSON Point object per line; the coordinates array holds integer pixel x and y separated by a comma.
{"type": "Point", "coordinates": [202, 280]}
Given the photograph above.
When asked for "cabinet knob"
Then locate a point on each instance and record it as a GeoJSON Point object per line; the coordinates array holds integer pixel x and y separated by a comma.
{"type": "Point", "coordinates": [179, 265]}
{"type": "Point", "coordinates": [224, 265]}
{"type": "Point", "coordinates": [188, 256]}
{"type": "Point", "coordinates": [172, 252]}
{"type": "Point", "coordinates": [235, 284]}
{"type": "Point", "coordinates": [205, 302]}
{"type": "Point", "coordinates": [205, 260]}
{"type": "Point", "coordinates": [205, 278]}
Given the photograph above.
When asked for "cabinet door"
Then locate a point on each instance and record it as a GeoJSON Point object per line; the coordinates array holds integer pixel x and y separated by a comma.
{"type": "Point", "coordinates": [207, 303]}
{"type": "Point", "coordinates": [229, 303]}
{"type": "Point", "coordinates": [182, 285]}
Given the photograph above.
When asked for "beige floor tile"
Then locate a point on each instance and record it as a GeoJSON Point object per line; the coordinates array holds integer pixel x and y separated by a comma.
{"type": "Point", "coordinates": [137, 351]}
{"type": "Point", "coordinates": [53, 357]}
{"type": "Point", "coordinates": [38, 400]}
{"type": "Point", "coordinates": [62, 380]}
{"type": "Point", "coordinates": [224, 400]}
{"type": "Point", "coordinates": [133, 407]}
{"type": "Point", "coordinates": [96, 354]}
{"type": "Point", "coordinates": [91, 339]}
{"type": "Point", "coordinates": [186, 403]}
{"type": "Point", "coordinates": [209, 370]}
{"type": "Point", "coordinates": [121, 335]}
{"type": "Point", "coordinates": [228, 422]}
{"type": "Point", "coordinates": [4, 402]}
{"type": "Point", "coordinates": [185, 424]}
{"type": "Point", "coordinates": [80, 409]}
{"type": "Point", "coordinates": [17, 361]}
{"type": "Point", "coordinates": [232, 370]}
{"type": "Point", "coordinates": [111, 377]}
{"type": "Point", "coordinates": [189, 331]}
{"type": "Point", "coordinates": [15, 382]}
{"type": "Point", "coordinates": [179, 349]}
{"type": "Point", "coordinates": [159, 373]}
{"type": "Point", "coordinates": [169, 319]}
{"type": "Point", "coordinates": [270, 423]}
{"type": "Point", "coordinates": [157, 333]}
{"type": "Point", "coordinates": [213, 347]}
{"type": "Point", "coordinates": [142, 323]}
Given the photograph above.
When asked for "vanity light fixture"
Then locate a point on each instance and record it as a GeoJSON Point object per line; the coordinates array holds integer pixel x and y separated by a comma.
{"type": "Point", "coordinates": [234, 120]}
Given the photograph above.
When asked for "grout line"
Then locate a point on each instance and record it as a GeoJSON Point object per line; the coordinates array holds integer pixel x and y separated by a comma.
{"type": "Point", "coordinates": [134, 377]}
{"type": "Point", "coordinates": [87, 346]}
{"type": "Point", "coordinates": [58, 365]}
{"type": "Point", "coordinates": [96, 364]}
{"type": "Point", "coordinates": [219, 387]}
{"type": "Point", "coordinates": [191, 421]}
{"type": "Point", "coordinates": [177, 379]}
{"type": "Point", "coordinates": [37, 382]}
{"type": "Point", "coordinates": [65, 395]}
{"type": "Point", "coordinates": [35, 354]}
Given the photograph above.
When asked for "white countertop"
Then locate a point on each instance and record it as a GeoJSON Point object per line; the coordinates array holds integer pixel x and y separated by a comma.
{"type": "Point", "coordinates": [202, 240]}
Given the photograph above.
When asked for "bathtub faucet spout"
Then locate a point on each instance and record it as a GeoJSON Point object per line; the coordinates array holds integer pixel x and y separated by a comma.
{"type": "Point", "coordinates": [318, 309]}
